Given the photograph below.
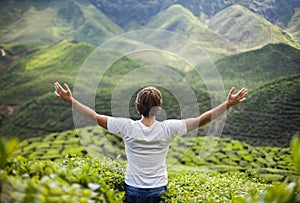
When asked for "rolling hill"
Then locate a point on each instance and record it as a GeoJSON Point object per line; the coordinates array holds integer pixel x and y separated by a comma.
{"type": "Point", "coordinates": [253, 69]}
{"type": "Point", "coordinates": [45, 22]}
{"type": "Point", "coordinates": [44, 65]}
{"type": "Point", "coordinates": [34, 73]}
{"type": "Point", "coordinates": [134, 14]}
{"type": "Point", "coordinates": [36, 109]}
{"type": "Point", "coordinates": [270, 116]}
{"type": "Point", "coordinates": [179, 20]}
{"type": "Point", "coordinates": [247, 30]}
{"type": "Point", "coordinates": [95, 22]}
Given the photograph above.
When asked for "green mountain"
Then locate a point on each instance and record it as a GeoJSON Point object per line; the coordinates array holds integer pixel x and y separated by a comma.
{"type": "Point", "coordinates": [34, 73]}
{"type": "Point", "coordinates": [255, 68]}
{"type": "Point", "coordinates": [133, 14]}
{"type": "Point", "coordinates": [40, 22]}
{"type": "Point", "coordinates": [270, 116]}
{"type": "Point", "coordinates": [28, 88]}
{"type": "Point", "coordinates": [44, 22]}
{"type": "Point", "coordinates": [247, 30]}
{"type": "Point", "coordinates": [179, 20]}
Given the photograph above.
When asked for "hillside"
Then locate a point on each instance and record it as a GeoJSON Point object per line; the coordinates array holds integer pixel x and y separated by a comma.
{"type": "Point", "coordinates": [45, 22]}
{"type": "Point", "coordinates": [254, 68]}
{"type": "Point", "coordinates": [134, 14]}
{"type": "Point", "coordinates": [36, 110]}
{"type": "Point", "coordinates": [270, 116]}
{"type": "Point", "coordinates": [247, 30]}
{"type": "Point", "coordinates": [179, 20]}
{"type": "Point", "coordinates": [33, 101]}
{"type": "Point", "coordinates": [34, 73]}
{"type": "Point", "coordinates": [96, 22]}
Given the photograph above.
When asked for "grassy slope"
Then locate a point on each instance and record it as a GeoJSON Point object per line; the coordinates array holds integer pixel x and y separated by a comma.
{"type": "Point", "coordinates": [41, 112]}
{"type": "Point", "coordinates": [255, 68]}
{"type": "Point", "coordinates": [270, 116]}
{"type": "Point", "coordinates": [180, 20]}
{"type": "Point", "coordinates": [246, 29]}
{"type": "Point", "coordinates": [37, 115]}
{"type": "Point", "coordinates": [34, 74]}
{"type": "Point", "coordinates": [265, 121]}
{"type": "Point", "coordinates": [47, 22]}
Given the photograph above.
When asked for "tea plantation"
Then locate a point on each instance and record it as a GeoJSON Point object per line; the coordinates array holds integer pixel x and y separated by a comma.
{"type": "Point", "coordinates": [88, 165]}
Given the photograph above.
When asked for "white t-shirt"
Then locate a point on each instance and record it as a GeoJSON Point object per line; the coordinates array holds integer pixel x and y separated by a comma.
{"type": "Point", "coordinates": [146, 149]}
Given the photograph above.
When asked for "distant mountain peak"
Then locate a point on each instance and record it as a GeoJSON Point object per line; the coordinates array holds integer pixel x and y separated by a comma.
{"type": "Point", "coordinates": [246, 29]}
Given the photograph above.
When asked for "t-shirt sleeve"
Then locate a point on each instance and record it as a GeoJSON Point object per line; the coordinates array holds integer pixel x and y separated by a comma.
{"type": "Point", "coordinates": [112, 126]}
{"type": "Point", "coordinates": [117, 125]}
{"type": "Point", "coordinates": [176, 128]}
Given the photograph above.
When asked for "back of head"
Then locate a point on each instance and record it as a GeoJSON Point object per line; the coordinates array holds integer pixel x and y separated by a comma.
{"type": "Point", "coordinates": [148, 101]}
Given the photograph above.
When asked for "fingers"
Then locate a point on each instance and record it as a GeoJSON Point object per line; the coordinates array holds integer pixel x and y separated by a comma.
{"type": "Point", "coordinates": [242, 91]}
{"type": "Point", "coordinates": [67, 87]}
{"type": "Point", "coordinates": [58, 86]}
{"type": "Point", "coordinates": [243, 99]}
{"type": "Point", "coordinates": [59, 90]}
{"type": "Point", "coordinates": [231, 91]}
{"type": "Point", "coordinates": [241, 94]}
{"type": "Point", "coordinates": [56, 93]}
{"type": "Point", "coordinates": [234, 99]}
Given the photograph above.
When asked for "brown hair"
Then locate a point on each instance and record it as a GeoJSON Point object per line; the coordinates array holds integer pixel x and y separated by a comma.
{"type": "Point", "coordinates": [148, 101]}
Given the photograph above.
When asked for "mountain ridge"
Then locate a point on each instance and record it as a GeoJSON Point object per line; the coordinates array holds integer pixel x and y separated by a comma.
{"type": "Point", "coordinates": [55, 20]}
{"type": "Point", "coordinates": [94, 22]}
{"type": "Point", "coordinates": [180, 20]}
{"type": "Point", "coordinates": [246, 29]}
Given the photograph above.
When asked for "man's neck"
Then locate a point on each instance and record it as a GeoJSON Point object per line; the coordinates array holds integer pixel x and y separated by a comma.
{"type": "Point", "coordinates": [148, 121]}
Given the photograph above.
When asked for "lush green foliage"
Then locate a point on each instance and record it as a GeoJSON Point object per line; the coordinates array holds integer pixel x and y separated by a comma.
{"type": "Point", "coordinates": [211, 186]}
{"type": "Point", "coordinates": [84, 179]}
{"type": "Point", "coordinates": [7, 147]}
{"type": "Point", "coordinates": [220, 154]}
{"type": "Point", "coordinates": [72, 179]}
{"type": "Point", "coordinates": [285, 192]}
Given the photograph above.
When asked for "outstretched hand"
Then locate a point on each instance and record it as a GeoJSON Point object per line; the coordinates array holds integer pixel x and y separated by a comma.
{"type": "Point", "coordinates": [64, 94]}
{"type": "Point", "coordinates": [234, 99]}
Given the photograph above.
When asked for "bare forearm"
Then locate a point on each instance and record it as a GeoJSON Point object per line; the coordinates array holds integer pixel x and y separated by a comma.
{"type": "Point", "coordinates": [212, 114]}
{"type": "Point", "coordinates": [84, 110]}
{"type": "Point", "coordinates": [89, 113]}
{"type": "Point", "coordinates": [66, 95]}
{"type": "Point", "coordinates": [232, 100]}
{"type": "Point", "coordinates": [203, 119]}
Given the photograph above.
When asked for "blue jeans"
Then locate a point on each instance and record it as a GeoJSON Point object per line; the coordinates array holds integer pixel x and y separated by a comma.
{"type": "Point", "coordinates": [144, 195]}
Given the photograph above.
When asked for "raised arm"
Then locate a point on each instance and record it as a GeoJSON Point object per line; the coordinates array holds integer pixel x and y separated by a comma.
{"type": "Point", "coordinates": [66, 95]}
{"type": "Point", "coordinates": [232, 100]}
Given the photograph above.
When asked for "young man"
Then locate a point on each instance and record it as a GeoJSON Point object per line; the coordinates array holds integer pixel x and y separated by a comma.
{"type": "Point", "coordinates": [147, 140]}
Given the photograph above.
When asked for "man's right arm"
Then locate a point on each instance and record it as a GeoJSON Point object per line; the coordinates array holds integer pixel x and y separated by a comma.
{"type": "Point", "coordinates": [66, 95]}
{"type": "Point", "coordinates": [232, 100]}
